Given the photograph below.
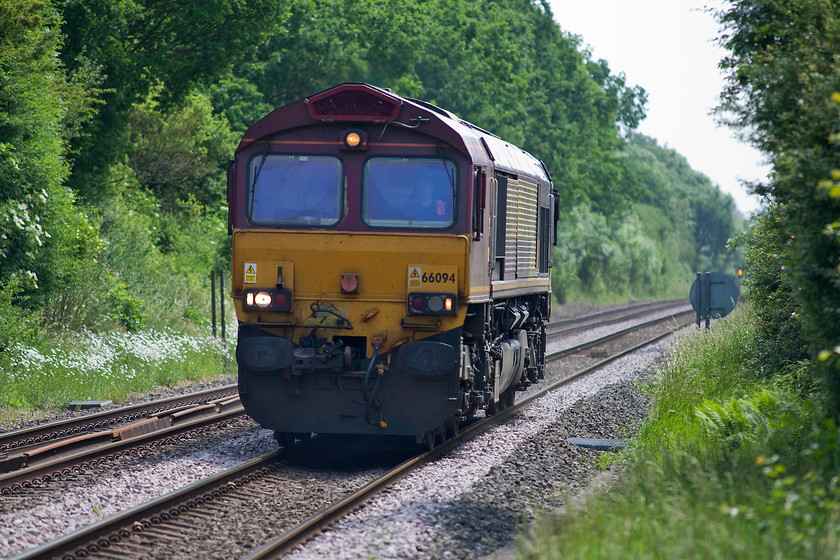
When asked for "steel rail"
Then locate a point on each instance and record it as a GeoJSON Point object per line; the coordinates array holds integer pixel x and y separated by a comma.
{"type": "Point", "coordinates": [29, 467]}
{"type": "Point", "coordinates": [100, 420]}
{"type": "Point", "coordinates": [554, 356]}
{"type": "Point", "coordinates": [605, 322]}
{"type": "Point", "coordinates": [103, 533]}
{"type": "Point", "coordinates": [648, 306]}
{"type": "Point", "coordinates": [110, 530]}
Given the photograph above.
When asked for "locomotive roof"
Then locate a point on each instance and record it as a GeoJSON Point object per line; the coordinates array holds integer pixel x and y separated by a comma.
{"type": "Point", "coordinates": [360, 102]}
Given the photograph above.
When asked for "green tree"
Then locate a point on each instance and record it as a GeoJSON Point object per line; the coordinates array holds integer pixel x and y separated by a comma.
{"type": "Point", "coordinates": [696, 219]}
{"type": "Point", "coordinates": [530, 83]}
{"type": "Point", "coordinates": [504, 65]}
{"type": "Point", "coordinates": [140, 47]}
{"type": "Point", "coordinates": [44, 237]}
{"type": "Point", "coordinates": [374, 41]}
{"type": "Point", "coordinates": [605, 258]}
{"type": "Point", "coordinates": [182, 151]}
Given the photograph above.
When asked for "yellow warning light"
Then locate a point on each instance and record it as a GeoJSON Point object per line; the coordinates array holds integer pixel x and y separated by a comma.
{"type": "Point", "coordinates": [740, 272]}
{"type": "Point", "coordinates": [354, 139]}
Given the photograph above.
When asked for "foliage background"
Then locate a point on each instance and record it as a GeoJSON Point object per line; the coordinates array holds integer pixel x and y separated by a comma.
{"type": "Point", "coordinates": [117, 120]}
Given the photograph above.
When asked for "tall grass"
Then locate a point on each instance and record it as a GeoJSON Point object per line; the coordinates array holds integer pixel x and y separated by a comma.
{"type": "Point", "coordinates": [727, 466]}
{"type": "Point", "coordinates": [106, 366]}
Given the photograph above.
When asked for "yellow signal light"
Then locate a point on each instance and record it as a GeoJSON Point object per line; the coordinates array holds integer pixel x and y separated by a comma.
{"type": "Point", "coordinates": [353, 139]}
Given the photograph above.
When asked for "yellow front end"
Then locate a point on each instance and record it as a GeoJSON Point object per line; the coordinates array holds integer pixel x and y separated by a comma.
{"type": "Point", "coordinates": [371, 339]}
{"type": "Point", "coordinates": [387, 267]}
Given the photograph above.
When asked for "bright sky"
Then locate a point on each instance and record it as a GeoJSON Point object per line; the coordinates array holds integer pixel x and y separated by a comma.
{"type": "Point", "coordinates": [666, 47]}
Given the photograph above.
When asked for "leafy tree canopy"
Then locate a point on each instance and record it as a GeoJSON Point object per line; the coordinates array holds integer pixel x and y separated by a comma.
{"type": "Point", "coordinates": [139, 46]}
{"type": "Point", "coordinates": [42, 232]}
{"type": "Point", "coordinates": [124, 113]}
{"type": "Point", "coordinates": [505, 66]}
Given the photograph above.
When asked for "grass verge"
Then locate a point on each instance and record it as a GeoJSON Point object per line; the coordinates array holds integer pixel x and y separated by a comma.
{"type": "Point", "coordinates": [106, 366]}
{"type": "Point", "coordinates": [728, 465]}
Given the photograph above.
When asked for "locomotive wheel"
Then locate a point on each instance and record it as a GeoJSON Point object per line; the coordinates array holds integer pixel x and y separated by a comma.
{"type": "Point", "coordinates": [436, 437]}
{"type": "Point", "coordinates": [506, 399]}
{"type": "Point", "coordinates": [439, 435]}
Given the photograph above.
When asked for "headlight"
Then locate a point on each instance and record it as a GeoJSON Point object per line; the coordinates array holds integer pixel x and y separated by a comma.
{"type": "Point", "coordinates": [271, 299]}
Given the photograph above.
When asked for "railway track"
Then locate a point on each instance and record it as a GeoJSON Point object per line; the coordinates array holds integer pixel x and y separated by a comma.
{"type": "Point", "coordinates": [112, 418]}
{"type": "Point", "coordinates": [123, 416]}
{"type": "Point", "coordinates": [107, 436]}
{"type": "Point", "coordinates": [610, 317]}
{"type": "Point", "coordinates": [680, 318]}
{"type": "Point", "coordinates": [166, 517]}
{"type": "Point", "coordinates": [31, 456]}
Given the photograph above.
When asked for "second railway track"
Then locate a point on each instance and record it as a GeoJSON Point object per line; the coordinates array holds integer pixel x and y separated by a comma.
{"type": "Point", "coordinates": [32, 464]}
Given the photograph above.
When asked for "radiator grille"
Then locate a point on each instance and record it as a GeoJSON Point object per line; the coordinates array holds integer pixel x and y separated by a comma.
{"type": "Point", "coordinates": [521, 230]}
{"type": "Point", "coordinates": [358, 105]}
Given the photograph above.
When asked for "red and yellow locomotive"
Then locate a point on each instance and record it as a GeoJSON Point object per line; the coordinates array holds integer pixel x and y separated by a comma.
{"type": "Point", "coordinates": [390, 266]}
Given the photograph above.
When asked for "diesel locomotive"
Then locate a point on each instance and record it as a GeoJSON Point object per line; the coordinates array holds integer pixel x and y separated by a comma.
{"type": "Point", "coordinates": [390, 266]}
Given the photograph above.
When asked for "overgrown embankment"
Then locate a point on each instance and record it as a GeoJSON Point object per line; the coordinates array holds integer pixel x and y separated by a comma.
{"type": "Point", "coordinates": [729, 464]}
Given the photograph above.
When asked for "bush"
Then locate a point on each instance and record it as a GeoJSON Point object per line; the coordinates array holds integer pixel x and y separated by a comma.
{"type": "Point", "coordinates": [779, 340]}
{"type": "Point", "coordinates": [728, 465]}
{"type": "Point", "coordinates": [47, 243]}
{"type": "Point", "coordinates": [158, 257]}
{"type": "Point", "coordinates": [17, 325]}
{"type": "Point", "coordinates": [89, 365]}
{"type": "Point", "coordinates": [181, 152]}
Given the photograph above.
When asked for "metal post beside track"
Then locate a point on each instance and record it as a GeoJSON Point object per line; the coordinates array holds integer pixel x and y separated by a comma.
{"type": "Point", "coordinates": [213, 301]}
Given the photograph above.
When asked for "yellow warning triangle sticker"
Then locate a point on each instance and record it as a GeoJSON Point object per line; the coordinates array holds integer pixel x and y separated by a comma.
{"type": "Point", "coordinates": [414, 273]}
{"type": "Point", "coordinates": [250, 270]}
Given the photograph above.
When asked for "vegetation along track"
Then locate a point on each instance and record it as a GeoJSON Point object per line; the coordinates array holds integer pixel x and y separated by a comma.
{"type": "Point", "coordinates": [170, 517]}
